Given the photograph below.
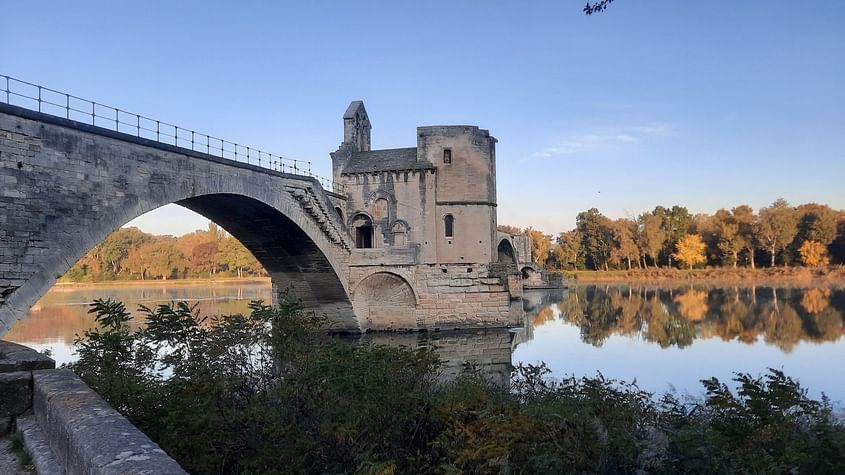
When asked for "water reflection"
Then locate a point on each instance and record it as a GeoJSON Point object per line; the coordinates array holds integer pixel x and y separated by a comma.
{"type": "Point", "coordinates": [677, 317]}
{"type": "Point", "coordinates": [488, 350]}
{"type": "Point", "coordinates": [62, 313]}
{"type": "Point", "coordinates": [666, 339]}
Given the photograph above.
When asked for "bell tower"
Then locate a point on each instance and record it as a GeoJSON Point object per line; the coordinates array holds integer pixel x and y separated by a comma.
{"type": "Point", "coordinates": [356, 137]}
{"type": "Point", "coordinates": [356, 127]}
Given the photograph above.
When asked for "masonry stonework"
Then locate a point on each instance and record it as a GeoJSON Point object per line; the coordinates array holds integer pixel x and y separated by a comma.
{"type": "Point", "coordinates": [423, 220]}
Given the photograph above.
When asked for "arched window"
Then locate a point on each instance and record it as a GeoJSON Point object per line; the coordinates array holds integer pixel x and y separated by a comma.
{"type": "Point", "coordinates": [380, 209]}
{"type": "Point", "coordinates": [449, 225]}
{"type": "Point", "coordinates": [363, 231]}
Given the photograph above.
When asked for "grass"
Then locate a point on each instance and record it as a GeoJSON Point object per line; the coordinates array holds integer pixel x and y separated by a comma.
{"type": "Point", "coordinates": [20, 451]}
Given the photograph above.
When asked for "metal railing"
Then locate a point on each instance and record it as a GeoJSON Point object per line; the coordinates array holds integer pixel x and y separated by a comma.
{"type": "Point", "coordinates": [49, 101]}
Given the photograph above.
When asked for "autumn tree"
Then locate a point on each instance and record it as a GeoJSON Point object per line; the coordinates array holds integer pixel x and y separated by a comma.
{"type": "Point", "coordinates": [816, 223]}
{"type": "Point", "coordinates": [568, 254]}
{"type": "Point", "coordinates": [116, 246]}
{"type": "Point", "coordinates": [746, 222]}
{"type": "Point", "coordinates": [676, 223]}
{"type": "Point", "coordinates": [837, 247]}
{"type": "Point", "coordinates": [778, 227]}
{"type": "Point", "coordinates": [650, 237]}
{"type": "Point", "coordinates": [201, 248]}
{"type": "Point", "coordinates": [624, 245]}
{"type": "Point", "coordinates": [814, 254]}
{"type": "Point", "coordinates": [690, 250]}
{"type": "Point", "coordinates": [237, 258]}
{"type": "Point", "coordinates": [157, 258]}
{"type": "Point", "coordinates": [728, 240]}
{"type": "Point", "coordinates": [596, 237]}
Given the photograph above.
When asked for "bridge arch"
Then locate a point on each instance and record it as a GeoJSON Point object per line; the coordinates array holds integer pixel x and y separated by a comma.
{"type": "Point", "coordinates": [105, 179]}
{"type": "Point", "coordinates": [385, 300]}
{"type": "Point", "coordinates": [506, 252]}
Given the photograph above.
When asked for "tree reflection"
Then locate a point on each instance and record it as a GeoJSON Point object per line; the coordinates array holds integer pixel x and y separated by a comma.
{"type": "Point", "coordinates": [676, 317]}
{"type": "Point", "coordinates": [815, 300]}
{"type": "Point", "coordinates": [692, 305]}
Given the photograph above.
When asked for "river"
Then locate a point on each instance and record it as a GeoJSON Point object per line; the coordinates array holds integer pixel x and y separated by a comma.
{"type": "Point", "coordinates": [666, 339]}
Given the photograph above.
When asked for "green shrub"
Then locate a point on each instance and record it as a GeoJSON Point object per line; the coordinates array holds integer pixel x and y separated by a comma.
{"type": "Point", "coordinates": [271, 392]}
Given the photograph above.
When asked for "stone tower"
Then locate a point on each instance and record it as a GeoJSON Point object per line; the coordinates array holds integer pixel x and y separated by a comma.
{"type": "Point", "coordinates": [356, 137]}
{"type": "Point", "coordinates": [423, 220]}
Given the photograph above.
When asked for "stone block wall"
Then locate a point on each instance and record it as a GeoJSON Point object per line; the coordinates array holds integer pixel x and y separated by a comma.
{"type": "Point", "coordinates": [443, 297]}
{"type": "Point", "coordinates": [16, 365]}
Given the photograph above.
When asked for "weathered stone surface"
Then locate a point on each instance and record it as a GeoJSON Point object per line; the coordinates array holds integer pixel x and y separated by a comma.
{"type": "Point", "coordinates": [10, 463]}
{"type": "Point", "coordinates": [36, 445]}
{"type": "Point", "coordinates": [89, 436]}
{"type": "Point", "coordinates": [15, 357]}
{"type": "Point", "coordinates": [6, 424]}
{"type": "Point", "coordinates": [15, 393]}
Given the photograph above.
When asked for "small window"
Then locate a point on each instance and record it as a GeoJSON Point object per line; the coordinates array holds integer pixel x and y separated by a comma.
{"type": "Point", "coordinates": [363, 232]}
{"type": "Point", "coordinates": [449, 224]}
{"type": "Point", "coordinates": [447, 155]}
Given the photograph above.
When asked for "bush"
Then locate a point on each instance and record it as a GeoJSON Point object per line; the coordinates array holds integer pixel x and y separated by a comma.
{"type": "Point", "coordinates": [272, 393]}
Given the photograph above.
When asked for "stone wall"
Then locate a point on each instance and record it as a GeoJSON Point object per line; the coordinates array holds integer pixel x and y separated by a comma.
{"type": "Point", "coordinates": [445, 297]}
{"type": "Point", "coordinates": [88, 436]}
{"type": "Point", "coordinates": [465, 189]}
{"type": "Point", "coordinates": [409, 196]}
{"type": "Point", "coordinates": [16, 365]}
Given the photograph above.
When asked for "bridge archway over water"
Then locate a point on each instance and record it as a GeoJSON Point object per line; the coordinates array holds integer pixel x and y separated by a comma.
{"type": "Point", "coordinates": [72, 184]}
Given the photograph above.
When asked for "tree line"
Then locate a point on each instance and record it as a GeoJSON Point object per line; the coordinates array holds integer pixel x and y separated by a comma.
{"type": "Point", "coordinates": [780, 234]}
{"type": "Point", "coordinates": [130, 254]}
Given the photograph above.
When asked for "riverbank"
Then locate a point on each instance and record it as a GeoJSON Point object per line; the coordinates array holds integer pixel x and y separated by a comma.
{"type": "Point", "coordinates": [169, 282]}
{"type": "Point", "coordinates": [792, 277]}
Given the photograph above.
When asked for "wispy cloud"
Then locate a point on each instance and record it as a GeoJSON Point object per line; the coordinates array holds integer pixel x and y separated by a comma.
{"type": "Point", "coordinates": [605, 139]}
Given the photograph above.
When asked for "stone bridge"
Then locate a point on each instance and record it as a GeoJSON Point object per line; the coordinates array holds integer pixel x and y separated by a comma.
{"type": "Point", "coordinates": [65, 186]}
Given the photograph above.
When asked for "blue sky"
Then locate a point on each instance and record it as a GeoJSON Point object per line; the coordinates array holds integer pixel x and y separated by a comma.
{"type": "Point", "coordinates": [706, 104]}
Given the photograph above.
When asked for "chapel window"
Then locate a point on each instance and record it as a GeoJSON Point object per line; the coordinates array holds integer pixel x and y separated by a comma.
{"type": "Point", "coordinates": [363, 232]}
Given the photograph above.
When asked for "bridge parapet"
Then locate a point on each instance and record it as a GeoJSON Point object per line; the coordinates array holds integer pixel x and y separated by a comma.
{"type": "Point", "coordinates": [42, 99]}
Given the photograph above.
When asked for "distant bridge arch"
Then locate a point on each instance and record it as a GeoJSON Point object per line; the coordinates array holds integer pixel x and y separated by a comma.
{"type": "Point", "coordinates": [67, 185]}
{"type": "Point", "coordinates": [506, 252]}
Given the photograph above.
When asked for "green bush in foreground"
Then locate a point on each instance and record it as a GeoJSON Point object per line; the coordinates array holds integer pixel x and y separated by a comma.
{"type": "Point", "coordinates": [272, 393]}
